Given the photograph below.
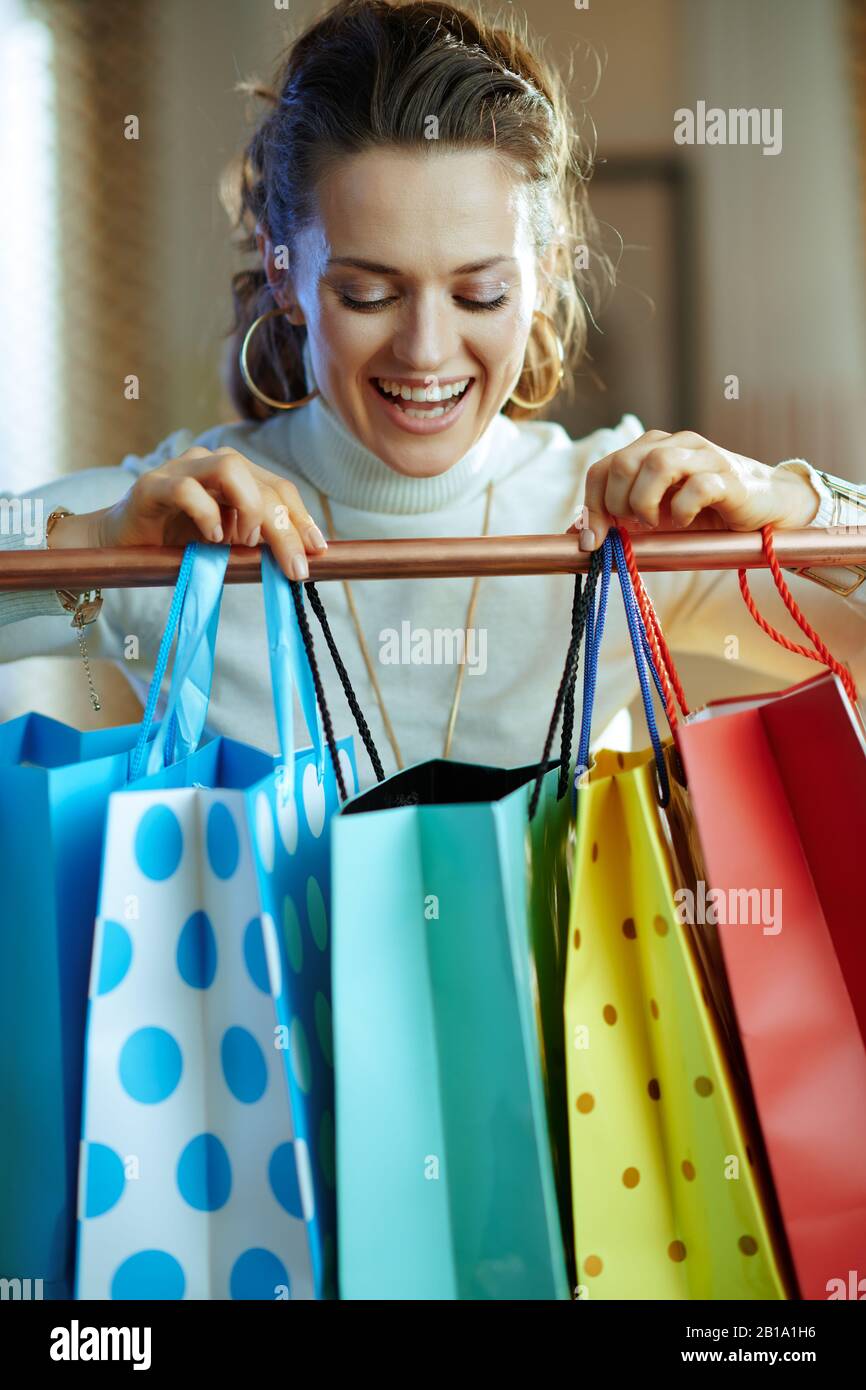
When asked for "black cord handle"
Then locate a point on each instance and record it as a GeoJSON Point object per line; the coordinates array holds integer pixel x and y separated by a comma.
{"type": "Point", "coordinates": [327, 723]}
{"type": "Point", "coordinates": [584, 597]}
{"type": "Point", "coordinates": [358, 715]}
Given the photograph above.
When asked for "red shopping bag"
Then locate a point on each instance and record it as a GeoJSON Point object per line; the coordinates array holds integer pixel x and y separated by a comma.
{"type": "Point", "coordinates": [778, 788]}
{"type": "Point", "coordinates": [778, 792]}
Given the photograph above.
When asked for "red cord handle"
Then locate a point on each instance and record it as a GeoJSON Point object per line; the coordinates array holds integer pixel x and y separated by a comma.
{"type": "Point", "coordinates": [664, 662]}
{"type": "Point", "coordinates": [820, 653]}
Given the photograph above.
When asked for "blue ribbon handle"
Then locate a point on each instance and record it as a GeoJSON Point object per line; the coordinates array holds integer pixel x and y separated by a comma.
{"type": "Point", "coordinates": [613, 551]}
{"type": "Point", "coordinates": [290, 668]}
{"type": "Point", "coordinates": [183, 723]}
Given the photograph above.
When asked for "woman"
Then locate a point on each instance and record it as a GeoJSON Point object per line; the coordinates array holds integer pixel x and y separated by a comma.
{"type": "Point", "coordinates": [416, 197]}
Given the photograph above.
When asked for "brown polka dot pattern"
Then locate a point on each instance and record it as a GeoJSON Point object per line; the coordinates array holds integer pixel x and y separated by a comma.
{"type": "Point", "coordinates": [631, 1177]}
{"type": "Point", "coordinates": [609, 1014]}
{"type": "Point", "coordinates": [585, 1102]}
{"type": "Point", "coordinates": [629, 930]}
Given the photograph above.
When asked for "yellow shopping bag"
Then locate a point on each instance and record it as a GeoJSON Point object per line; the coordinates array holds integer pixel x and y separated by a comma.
{"type": "Point", "coordinates": [669, 1193]}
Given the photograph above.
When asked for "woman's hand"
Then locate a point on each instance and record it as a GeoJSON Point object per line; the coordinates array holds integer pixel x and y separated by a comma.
{"type": "Point", "coordinates": [217, 495]}
{"type": "Point", "coordinates": [671, 482]}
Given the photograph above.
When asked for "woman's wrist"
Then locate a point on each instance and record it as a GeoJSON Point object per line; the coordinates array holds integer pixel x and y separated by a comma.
{"type": "Point", "coordinates": [75, 532]}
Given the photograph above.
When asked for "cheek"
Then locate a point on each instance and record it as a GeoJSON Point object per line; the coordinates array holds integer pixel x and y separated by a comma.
{"type": "Point", "coordinates": [500, 341]}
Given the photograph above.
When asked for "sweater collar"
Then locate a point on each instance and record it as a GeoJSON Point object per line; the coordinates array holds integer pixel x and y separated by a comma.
{"type": "Point", "coordinates": [329, 456]}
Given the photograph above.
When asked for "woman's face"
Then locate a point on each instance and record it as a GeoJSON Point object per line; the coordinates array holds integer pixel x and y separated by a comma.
{"type": "Point", "coordinates": [417, 283]}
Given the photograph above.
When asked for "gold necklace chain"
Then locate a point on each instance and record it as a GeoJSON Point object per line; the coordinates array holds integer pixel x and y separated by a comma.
{"type": "Point", "coordinates": [365, 651]}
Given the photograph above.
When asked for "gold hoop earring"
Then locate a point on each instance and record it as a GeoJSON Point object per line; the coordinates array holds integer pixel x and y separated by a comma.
{"type": "Point", "coordinates": [560, 352]}
{"type": "Point", "coordinates": [245, 369]}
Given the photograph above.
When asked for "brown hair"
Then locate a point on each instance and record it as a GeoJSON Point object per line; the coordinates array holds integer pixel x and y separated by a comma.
{"type": "Point", "coordinates": [373, 73]}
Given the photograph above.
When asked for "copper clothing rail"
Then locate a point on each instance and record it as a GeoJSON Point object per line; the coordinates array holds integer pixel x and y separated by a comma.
{"type": "Point", "coordinates": [150, 566]}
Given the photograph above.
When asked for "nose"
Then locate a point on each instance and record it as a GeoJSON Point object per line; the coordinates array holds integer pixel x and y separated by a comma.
{"type": "Point", "coordinates": [426, 336]}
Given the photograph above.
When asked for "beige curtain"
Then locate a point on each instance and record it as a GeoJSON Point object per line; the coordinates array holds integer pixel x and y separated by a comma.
{"type": "Point", "coordinates": [106, 63]}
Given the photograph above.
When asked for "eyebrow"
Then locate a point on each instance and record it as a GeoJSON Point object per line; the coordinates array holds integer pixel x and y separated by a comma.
{"type": "Point", "coordinates": [358, 263]}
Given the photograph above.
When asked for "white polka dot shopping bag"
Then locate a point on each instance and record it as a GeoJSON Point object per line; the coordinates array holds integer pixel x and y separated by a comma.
{"type": "Point", "coordinates": [207, 1164]}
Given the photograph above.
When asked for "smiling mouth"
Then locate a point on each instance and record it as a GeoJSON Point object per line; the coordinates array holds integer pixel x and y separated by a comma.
{"type": "Point", "coordinates": [423, 402]}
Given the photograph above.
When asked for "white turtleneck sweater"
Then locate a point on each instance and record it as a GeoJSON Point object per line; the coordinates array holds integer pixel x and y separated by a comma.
{"type": "Point", "coordinates": [538, 475]}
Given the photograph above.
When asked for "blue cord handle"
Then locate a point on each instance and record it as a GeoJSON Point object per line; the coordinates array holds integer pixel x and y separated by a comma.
{"type": "Point", "coordinates": [613, 551]}
{"type": "Point", "coordinates": [174, 612]}
{"type": "Point", "coordinates": [194, 612]}
{"type": "Point", "coordinates": [186, 709]}
{"type": "Point", "coordinates": [290, 668]}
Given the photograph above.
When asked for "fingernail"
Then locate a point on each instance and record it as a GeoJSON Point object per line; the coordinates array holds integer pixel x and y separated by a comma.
{"type": "Point", "coordinates": [300, 568]}
{"type": "Point", "coordinates": [313, 537]}
{"type": "Point", "coordinates": [255, 537]}
{"type": "Point", "coordinates": [217, 534]}
{"type": "Point", "coordinates": [587, 539]}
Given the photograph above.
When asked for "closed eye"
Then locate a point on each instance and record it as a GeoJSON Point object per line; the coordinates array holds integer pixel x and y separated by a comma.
{"type": "Point", "coordinates": [372, 306]}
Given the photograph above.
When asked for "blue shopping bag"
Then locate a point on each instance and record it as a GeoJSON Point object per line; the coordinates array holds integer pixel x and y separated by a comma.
{"type": "Point", "coordinates": [208, 1155]}
{"type": "Point", "coordinates": [54, 786]}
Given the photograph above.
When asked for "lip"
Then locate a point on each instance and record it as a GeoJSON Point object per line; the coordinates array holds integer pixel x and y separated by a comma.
{"type": "Point", "coordinates": [410, 424]}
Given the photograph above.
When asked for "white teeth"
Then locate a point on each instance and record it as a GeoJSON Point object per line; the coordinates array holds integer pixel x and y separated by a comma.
{"type": "Point", "coordinates": [423, 393]}
{"type": "Point", "coordinates": [425, 414]}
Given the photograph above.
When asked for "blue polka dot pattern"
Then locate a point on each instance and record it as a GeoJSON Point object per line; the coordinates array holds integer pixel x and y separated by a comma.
{"type": "Point", "coordinates": [254, 955]}
{"type": "Point", "coordinates": [258, 1274]}
{"type": "Point", "coordinates": [283, 1176]}
{"type": "Point", "coordinates": [105, 1179]}
{"type": "Point", "coordinates": [150, 1065]}
{"type": "Point", "coordinates": [209, 1049]}
{"type": "Point", "coordinates": [223, 845]}
{"type": "Point", "coordinates": [197, 951]}
{"type": "Point", "coordinates": [244, 1066]}
{"type": "Point", "coordinates": [149, 1274]}
{"type": "Point", "coordinates": [158, 843]}
{"type": "Point", "coordinates": [116, 956]}
{"type": "Point", "coordinates": [316, 914]}
{"type": "Point", "coordinates": [204, 1173]}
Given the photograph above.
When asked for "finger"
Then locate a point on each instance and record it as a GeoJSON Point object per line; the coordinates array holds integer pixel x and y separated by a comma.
{"type": "Point", "coordinates": [621, 475]}
{"type": "Point", "coordinates": [229, 477]}
{"type": "Point", "coordinates": [594, 520]}
{"type": "Point", "coordinates": [280, 532]}
{"type": "Point", "coordinates": [166, 497]}
{"type": "Point", "coordinates": [291, 510]}
{"type": "Point", "coordinates": [664, 466]}
{"type": "Point", "coordinates": [702, 490]}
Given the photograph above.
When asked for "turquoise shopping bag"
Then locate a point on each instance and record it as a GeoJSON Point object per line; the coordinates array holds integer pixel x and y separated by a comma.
{"type": "Point", "coordinates": [208, 1156]}
{"type": "Point", "coordinates": [54, 786]}
{"type": "Point", "coordinates": [450, 907]}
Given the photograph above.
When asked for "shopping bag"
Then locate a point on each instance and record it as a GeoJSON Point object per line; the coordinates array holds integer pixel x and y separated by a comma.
{"type": "Point", "coordinates": [208, 1163]}
{"type": "Point", "coordinates": [670, 1200]}
{"type": "Point", "coordinates": [450, 913]}
{"type": "Point", "coordinates": [778, 784]}
{"type": "Point", "coordinates": [54, 785]}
